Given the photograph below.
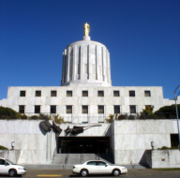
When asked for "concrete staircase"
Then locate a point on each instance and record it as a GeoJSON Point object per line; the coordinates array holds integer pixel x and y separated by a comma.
{"type": "Point", "coordinates": [66, 161]}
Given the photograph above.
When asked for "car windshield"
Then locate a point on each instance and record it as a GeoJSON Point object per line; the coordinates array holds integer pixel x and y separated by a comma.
{"type": "Point", "coordinates": [10, 162]}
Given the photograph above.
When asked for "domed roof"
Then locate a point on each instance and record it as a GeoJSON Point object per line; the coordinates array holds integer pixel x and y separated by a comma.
{"type": "Point", "coordinates": [86, 62]}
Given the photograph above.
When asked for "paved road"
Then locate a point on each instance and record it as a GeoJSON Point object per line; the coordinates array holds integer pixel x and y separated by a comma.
{"type": "Point", "coordinates": [133, 173]}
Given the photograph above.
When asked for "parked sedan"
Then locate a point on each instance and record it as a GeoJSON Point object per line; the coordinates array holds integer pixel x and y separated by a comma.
{"type": "Point", "coordinates": [9, 168]}
{"type": "Point", "coordinates": [98, 167]}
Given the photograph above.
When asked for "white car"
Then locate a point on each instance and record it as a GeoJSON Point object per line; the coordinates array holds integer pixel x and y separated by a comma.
{"type": "Point", "coordinates": [98, 167]}
{"type": "Point", "coordinates": [11, 169]}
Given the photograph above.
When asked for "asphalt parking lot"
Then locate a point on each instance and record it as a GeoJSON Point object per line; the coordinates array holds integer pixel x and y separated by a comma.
{"type": "Point", "coordinates": [132, 173]}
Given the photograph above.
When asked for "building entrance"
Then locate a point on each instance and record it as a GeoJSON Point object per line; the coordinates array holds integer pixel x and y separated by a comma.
{"type": "Point", "coordinates": [97, 145]}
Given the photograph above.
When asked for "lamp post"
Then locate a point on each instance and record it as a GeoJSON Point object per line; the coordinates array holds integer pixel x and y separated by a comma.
{"type": "Point", "coordinates": [177, 114]}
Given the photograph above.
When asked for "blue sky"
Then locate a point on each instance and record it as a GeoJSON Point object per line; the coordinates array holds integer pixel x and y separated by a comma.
{"type": "Point", "coordinates": [143, 37]}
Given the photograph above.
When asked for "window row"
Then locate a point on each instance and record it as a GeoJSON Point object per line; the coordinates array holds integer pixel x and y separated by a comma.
{"type": "Point", "coordinates": [69, 109]}
{"type": "Point", "coordinates": [100, 93]}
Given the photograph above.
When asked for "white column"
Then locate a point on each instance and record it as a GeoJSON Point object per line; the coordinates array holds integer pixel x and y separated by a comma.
{"type": "Point", "coordinates": [104, 65]}
{"type": "Point", "coordinates": [109, 69]}
{"type": "Point", "coordinates": [82, 62]}
{"type": "Point", "coordinates": [68, 64]}
{"type": "Point", "coordinates": [88, 62]}
{"type": "Point", "coordinates": [78, 63]}
{"type": "Point", "coordinates": [107, 65]}
{"type": "Point", "coordinates": [75, 63]}
{"type": "Point", "coordinates": [91, 62]}
{"type": "Point", "coordinates": [63, 68]}
{"type": "Point", "coordinates": [99, 63]}
{"type": "Point", "coordinates": [71, 64]}
{"type": "Point", "coordinates": [96, 69]}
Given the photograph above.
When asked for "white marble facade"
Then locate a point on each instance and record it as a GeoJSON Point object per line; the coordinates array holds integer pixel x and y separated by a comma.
{"type": "Point", "coordinates": [71, 96]}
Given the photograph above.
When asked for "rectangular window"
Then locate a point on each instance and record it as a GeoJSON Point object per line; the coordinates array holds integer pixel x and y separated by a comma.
{"type": "Point", "coordinates": [132, 93]}
{"type": "Point", "coordinates": [21, 109]}
{"type": "Point", "coordinates": [69, 93]}
{"type": "Point", "coordinates": [85, 109]}
{"type": "Point", "coordinates": [37, 109]}
{"type": "Point", "coordinates": [174, 140]}
{"type": "Point", "coordinates": [100, 109]}
{"type": "Point", "coordinates": [132, 109]}
{"type": "Point", "coordinates": [69, 109]}
{"type": "Point", "coordinates": [53, 93]}
{"type": "Point", "coordinates": [85, 93]}
{"type": "Point", "coordinates": [116, 109]}
{"type": "Point", "coordinates": [147, 93]}
{"type": "Point", "coordinates": [38, 93]}
{"type": "Point", "coordinates": [53, 109]}
{"type": "Point", "coordinates": [101, 93]}
{"type": "Point", "coordinates": [22, 93]}
{"type": "Point", "coordinates": [116, 93]}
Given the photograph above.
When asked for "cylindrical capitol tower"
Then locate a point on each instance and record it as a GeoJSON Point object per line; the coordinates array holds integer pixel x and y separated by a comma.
{"type": "Point", "coordinates": [86, 62]}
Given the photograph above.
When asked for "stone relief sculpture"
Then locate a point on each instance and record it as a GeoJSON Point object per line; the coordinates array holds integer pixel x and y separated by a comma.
{"type": "Point", "coordinates": [78, 129]}
{"type": "Point", "coordinates": [45, 127]}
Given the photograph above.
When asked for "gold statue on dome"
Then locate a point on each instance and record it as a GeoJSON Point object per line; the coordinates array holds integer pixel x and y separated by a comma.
{"type": "Point", "coordinates": [86, 29]}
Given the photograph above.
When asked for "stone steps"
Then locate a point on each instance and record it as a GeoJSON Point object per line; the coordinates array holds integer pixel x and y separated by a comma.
{"type": "Point", "coordinates": [68, 160]}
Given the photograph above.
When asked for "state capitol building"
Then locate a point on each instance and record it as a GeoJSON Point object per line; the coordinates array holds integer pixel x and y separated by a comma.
{"type": "Point", "coordinates": [86, 94]}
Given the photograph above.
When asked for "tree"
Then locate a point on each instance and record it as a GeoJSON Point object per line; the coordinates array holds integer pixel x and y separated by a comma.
{"type": "Point", "coordinates": [147, 112]}
{"type": "Point", "coordinates": [167, 112]}
{"type": "Point", "coordinates": [8, 113]}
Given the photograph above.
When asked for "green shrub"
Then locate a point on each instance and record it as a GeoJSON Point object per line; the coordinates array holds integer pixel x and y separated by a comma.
{"type": "Point", "coordinates": [122, 116]}
{"type": "Point", "coordinates": [168, 148]}
{"type": "Point", "coordinates": [147, 113]}
{"type": "Point", "coordinates": [167, 112]}
{"type": "Point", "coordinates": [34, 117]}
{"type": "Point", "coordinates": [44, 117]}
{"type": "Point", "coordinates": [3, 147]}
{"type": "Point", "coordinates": [110, 119]}
{"type": "Point", "coordinates": [8, 113]}
{"type": "Point", "coordinates": [39, 117]}
{"type": "Point", "coordinates": [58, 119]}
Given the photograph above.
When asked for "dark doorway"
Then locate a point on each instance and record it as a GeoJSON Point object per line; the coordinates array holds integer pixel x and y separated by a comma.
{"type": "Point", "coordinates": [174, 140]}
{"type": "Point", "coordinates": [97, 145]}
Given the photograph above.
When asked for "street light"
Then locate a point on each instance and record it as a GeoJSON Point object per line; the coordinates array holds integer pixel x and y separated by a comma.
{"type": "Point", "coordinates": [177, 114]}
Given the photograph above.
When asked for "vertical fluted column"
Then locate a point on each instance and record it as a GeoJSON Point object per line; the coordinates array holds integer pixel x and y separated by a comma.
{"type": "Point", "coordinates": [88, 62]}
{"type": "Point", "coordinates": [91, 61]}
{"type": "Point", "coordinates": [71, 64]}
{"type": "Point", "coordinates": [75, 63]}
{"type": "Point", "coordinates": [68, 64]}
{"type": "Point", "coordinates": [63, 69]}
{"type": "Point", "coordinates": [81, 63]}
{"type": "Point", "coordinates": [96, 69]}
{"type": "Point", "coordinates": [99, 63]}
{"type": "Point", "coordinates": [104, 65]}
{"type": "Point", "coordinates": [107, 65]}
{"type": "Point", "coordinates": [109, 69]}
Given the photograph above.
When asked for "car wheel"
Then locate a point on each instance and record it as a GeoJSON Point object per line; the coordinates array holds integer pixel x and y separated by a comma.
{"type": "Point", "coordinates": [84, 172]}
{"type": "Point", "coordinates": [12, 173]}
{"type": "Point", "coordinates": [116, 172]}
